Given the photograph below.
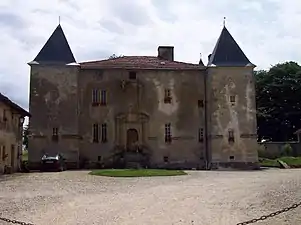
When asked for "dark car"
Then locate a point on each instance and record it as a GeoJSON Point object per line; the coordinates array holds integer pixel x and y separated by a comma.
{"type": "Point", "coordinates": [53, 163]}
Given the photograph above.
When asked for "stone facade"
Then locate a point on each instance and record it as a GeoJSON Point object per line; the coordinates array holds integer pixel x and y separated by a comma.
{"type": "Point", "coordinates": [165, 113]}
{"type": "Point", "coordinates": [11, 121]}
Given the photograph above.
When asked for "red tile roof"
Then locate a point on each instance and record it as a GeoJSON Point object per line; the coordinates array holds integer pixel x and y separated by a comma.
{"type": "Point", "coordinates": [140, 62]}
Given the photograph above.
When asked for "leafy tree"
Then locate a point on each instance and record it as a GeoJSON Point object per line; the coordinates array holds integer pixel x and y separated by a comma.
{"type": "Point", "coordinates": [25, 136]}
{"type": "Point", "coordinates": [278, 101]}
{"type": "Point", "coordinates": [114, 56]}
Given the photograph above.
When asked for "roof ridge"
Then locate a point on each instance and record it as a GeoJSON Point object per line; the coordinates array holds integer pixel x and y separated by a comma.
{"type": "Point", "coordinates": [137, 56]}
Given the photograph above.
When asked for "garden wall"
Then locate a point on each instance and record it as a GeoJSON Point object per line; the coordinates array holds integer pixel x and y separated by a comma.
{"type": "Point", "coordinates": [276, 149]}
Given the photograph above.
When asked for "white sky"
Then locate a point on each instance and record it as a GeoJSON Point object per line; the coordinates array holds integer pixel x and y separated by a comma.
{"type": "Point", "coordinates": [268, 31]}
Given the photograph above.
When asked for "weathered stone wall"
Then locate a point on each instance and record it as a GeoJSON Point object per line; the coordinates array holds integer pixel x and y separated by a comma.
{"type": "Point", "coordinates": [10, 137]}
{"type": "Point", "coordinates": [240, 116]}
{"type": "Point", "coordinates": [139, 104]}
{"type": "Point", "coordinates": [53, 104]}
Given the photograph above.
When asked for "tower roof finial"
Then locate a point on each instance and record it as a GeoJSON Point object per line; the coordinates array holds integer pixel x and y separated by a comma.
{"type": "Point", "coordinates": [59, 20]}
{"type": "Point", "coordinates": [224, 21]}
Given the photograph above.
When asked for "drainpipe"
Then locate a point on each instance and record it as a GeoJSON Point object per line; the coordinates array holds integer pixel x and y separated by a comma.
{"type": "Point", "coordinates": [206, 123]}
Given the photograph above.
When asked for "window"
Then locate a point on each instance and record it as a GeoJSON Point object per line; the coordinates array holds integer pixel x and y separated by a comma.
{"type": "Point", "coordinates": [4, 155]}
{"type": "Point", "coordinates": [232, 98]}
{"type": "Point", "coordinates": [95, 133]}
{"type": "Point", "coordinates": [200, 103]}
{"type": "Point", "coordinates": [165, 159]}
{"type": "Point", "coordinates": [104, 133]}
{"type": "Point", "coordinates": [231, 157]}
{"type": "Point", "coordinates": [167, 96]}
{"type": "Point", "coordinates": [201, 135]}
{"type": "Point", "coordinates": [167, 133]}
{"type": "Point", "coordinates": [132, 75]}
{"type": "Point", "coordinates": [230, 136]}
{"type": "Point", "coordinates": [95, 96]}
{"type": "Point", "coordinates": [55, 135]}
{"type": "Point", "coordinates": [99, 97]}
{"type": "Point", "coordinates": [103, 97]}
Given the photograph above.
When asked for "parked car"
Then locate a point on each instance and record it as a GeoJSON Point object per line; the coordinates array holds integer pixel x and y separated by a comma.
{"type": "Point", "coordinates": [53, 163]}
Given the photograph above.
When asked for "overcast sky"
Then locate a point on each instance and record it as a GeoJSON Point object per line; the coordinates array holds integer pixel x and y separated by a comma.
{"type": "Point", "coordinates": [268, 31]}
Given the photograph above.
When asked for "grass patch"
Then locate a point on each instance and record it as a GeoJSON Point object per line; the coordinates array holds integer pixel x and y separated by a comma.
{"type": "Point", "coordinates": [136, 172]}
{"type": "Point", "coordinates": [291, 161]}
{"type": "Point", "coordinates": [269, 162]}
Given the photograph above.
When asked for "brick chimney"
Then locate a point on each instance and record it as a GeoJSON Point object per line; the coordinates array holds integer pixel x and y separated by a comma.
{"type": "Point", "coordinates": [166, 52]}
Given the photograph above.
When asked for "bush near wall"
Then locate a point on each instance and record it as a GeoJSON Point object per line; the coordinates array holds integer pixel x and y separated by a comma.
{"type": "Point", "coordinates": [275, 150]}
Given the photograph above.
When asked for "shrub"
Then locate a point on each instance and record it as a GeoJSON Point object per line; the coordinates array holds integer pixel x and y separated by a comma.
{"type": "Point", "coordinates": [286, 150]}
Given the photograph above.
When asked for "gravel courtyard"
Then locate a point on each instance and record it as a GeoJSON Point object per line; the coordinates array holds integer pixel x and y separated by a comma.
{"type": "Point", "coordinates": [202, 197]}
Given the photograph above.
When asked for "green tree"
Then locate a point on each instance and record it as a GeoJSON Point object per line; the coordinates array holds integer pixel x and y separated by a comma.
{"type": "Point", "coordinates": [278, 101]}
{"type": "Point", "coordinates": [114, 56]}
{"type": "Point", "coordinates": [25, 136]}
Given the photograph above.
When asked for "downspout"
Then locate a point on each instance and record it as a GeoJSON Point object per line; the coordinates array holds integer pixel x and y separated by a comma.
{"type": "Point", "coordinates": [206, 122]}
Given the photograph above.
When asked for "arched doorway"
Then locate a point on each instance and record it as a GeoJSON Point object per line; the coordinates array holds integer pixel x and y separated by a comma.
{"type": "Point", "coordinates": [131, 137]}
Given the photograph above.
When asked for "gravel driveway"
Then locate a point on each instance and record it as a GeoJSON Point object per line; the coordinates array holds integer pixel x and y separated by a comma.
{"type": "Point", "coordinates": [202, 197]}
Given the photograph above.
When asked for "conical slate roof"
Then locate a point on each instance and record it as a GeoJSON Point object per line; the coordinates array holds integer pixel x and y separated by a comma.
{"type": "Point", "coordinates": [56, 49]}
{"type": "Point", "coordinates": [227, 52]}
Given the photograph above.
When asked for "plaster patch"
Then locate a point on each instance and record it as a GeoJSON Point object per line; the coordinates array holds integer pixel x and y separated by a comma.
{"type": "Point", "coordinates": [169, 108]}
{"type": "Point", "coordinates": [249, 110]}
{"type": "Point", "coordinates": [64, 80]}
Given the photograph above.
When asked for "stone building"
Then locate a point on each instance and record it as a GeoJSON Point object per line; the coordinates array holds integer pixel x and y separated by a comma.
{"type": "Point", "coordinates": [11, 128]}
{"type": "Point", "coordinates": [150, 110]}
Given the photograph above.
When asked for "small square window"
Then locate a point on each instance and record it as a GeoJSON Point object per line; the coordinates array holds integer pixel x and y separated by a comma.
{"type": "Point", "coordinates": [99, 158]}
{"type": "Point", "coordinates": [201, 135]}
{"type": "Point", "coordinates": [165, 159]}
{"type": "Point", "coordinates": [231, 157]}
{"type": "Point", "coordinates": [232, 98]}
{"type": "Point", "coordinates": [132, 75]}
{"type": "Point", "coordinates": [201, 103]}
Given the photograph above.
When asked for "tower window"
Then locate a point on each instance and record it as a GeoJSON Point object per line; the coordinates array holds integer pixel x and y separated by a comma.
{"type": "Point", "coordinates": [167, 96]}
{"type": "Point", "coordinates": [231, 136]}
{"type": "Point", "coordinates": [167, 133]}
{"type": "Point", "coordinates": [201, 135]}
{"type": "Point", "coordinates": [55, 135]}
{"type": "Point", "coordinates": [232, 99]}
{"type": "Point", "coordinates": [95, 133]}
{"type": "Point", "coordinates": [132, 75]}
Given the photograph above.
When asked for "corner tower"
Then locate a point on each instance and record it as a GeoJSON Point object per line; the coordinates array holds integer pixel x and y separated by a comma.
{"type": "Point", "coordinates": [54, 100]}
{"type": "Point", "coordinates": [231, 108]}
